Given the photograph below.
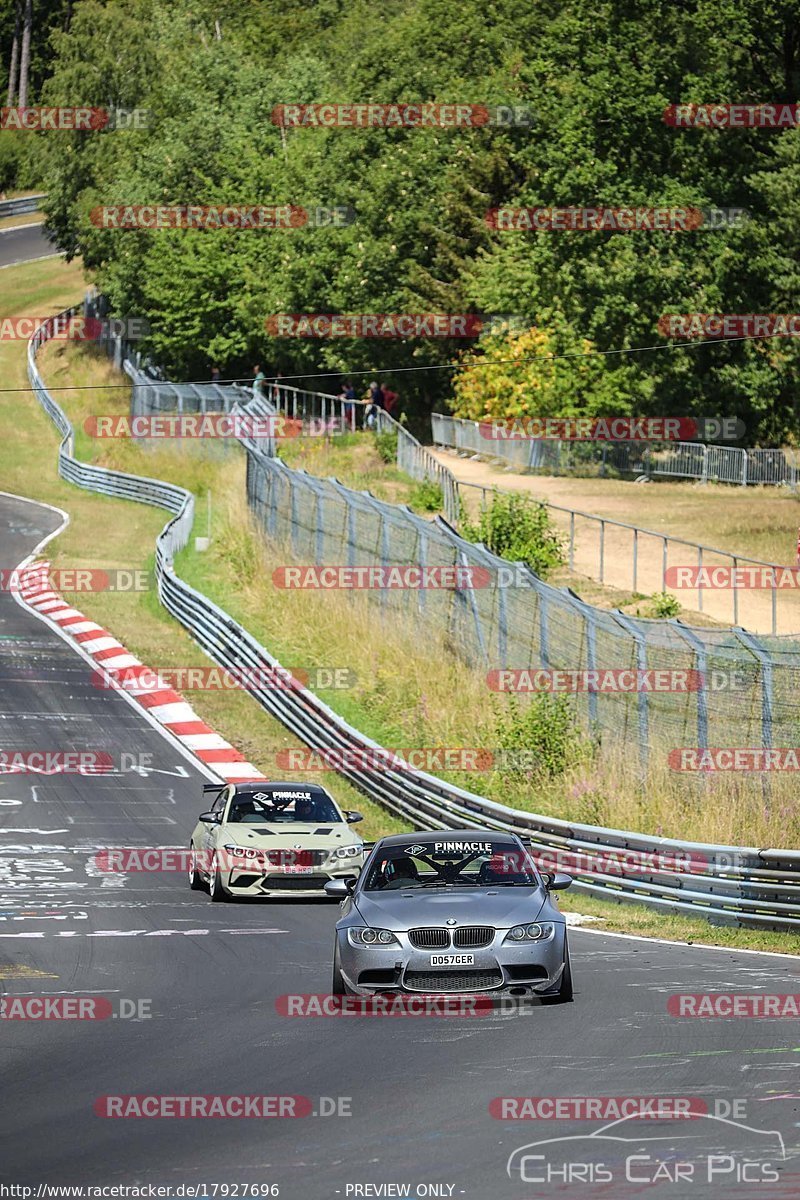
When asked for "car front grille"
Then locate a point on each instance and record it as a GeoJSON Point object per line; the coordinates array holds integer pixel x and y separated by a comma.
{"type": "Point", "coordinates": [296, 858]}
{"type": "Point", "coordinates": [472, 937]}
{"type": "Point", "coordinates": [429, 939]}
{"type": "Point", "coordinates": [294, 883]}
{"type": "Point", "coordinates": [452, 981]}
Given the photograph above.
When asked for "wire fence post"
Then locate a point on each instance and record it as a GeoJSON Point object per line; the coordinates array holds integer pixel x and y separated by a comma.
{"type": "Point", "coordinates": [691, 638]}
{"type": "Point", "coordinates": [642, 701]}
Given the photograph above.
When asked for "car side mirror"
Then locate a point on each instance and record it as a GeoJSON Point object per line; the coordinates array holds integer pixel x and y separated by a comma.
{"type": "Point", "coordinates": [339, 889]}
{"type": "Point", "coordinates": [557, 881]}
{"type": "Point", "coordinates": [209, 818]}
{"type": "Point", "coordinates": [352, 817]}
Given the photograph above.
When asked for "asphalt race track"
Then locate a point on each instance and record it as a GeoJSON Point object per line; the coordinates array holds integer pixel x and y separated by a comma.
{"type": "Point", "coordinates": [23, 244]}
{"type": "Point", "coordinates": [419, 1089]}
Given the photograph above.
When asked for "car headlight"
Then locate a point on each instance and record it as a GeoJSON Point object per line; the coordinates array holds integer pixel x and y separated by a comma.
{"type": "Point", "coordinates": [529, 933]}
{"type": "Point", "coordinates": [364, 936]}
{"type": "Point", "coordinates": [242, 851]}
{"type": "Point", "coordinates": [347, 851]}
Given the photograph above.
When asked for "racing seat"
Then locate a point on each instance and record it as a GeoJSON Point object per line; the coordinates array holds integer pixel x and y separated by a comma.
{"type": "Point", "coordinates": [243, 811]}
{"type": "Point", "coordinates": [499, 869]}
{"type": "Point", "coordinates": [400, 872]}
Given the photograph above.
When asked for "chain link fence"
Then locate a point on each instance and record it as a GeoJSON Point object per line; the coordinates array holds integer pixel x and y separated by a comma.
{"type": "Point", "coordinates": [744, 688]}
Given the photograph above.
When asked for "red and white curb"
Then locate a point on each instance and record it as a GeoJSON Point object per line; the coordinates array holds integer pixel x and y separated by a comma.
{"type": "Point", "coordinates": [163, 704]}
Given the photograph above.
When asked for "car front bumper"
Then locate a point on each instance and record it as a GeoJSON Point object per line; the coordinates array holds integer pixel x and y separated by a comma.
{"type": "Point", "coordinates": [502, 967]}
{"type": "Point", "coordinates": [253, 880]}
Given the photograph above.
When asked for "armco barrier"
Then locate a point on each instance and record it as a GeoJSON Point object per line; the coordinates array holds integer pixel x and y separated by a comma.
{"type": "Point", "coordinates": [725, 884]}
{"type": "Point", "coordinates": [26, 204]}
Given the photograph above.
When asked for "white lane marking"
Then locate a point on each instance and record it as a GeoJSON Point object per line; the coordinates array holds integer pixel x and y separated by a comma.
{"type": "Point", "coordinates": [635, 937]}
{"type": "Point", "coordinates": [16, 228]}
{"type": "Point", "coordinates": [20, 262]}
{"type": "Point", "coordinates": [12, 829]}
{"type": "Point", "coordinates": [65, 933]}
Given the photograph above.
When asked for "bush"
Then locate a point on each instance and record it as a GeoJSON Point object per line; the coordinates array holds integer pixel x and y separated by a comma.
{"type": "Point", "coordinates": [386, 445]}
{"type": "Point", "coordinates": [664, 605]}
{"type": "Point", "coordinates": [427, 495]}
{"type": "Point", "coordinates": [541, 739]}
{"type": "Point", "coordinates": [11, 160]}
{"type": "Point", "coordinates": [518, 528]}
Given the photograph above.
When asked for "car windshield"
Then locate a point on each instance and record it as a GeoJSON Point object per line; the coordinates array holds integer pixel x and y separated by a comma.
{"type": "Point", "coordinates": [449, 864]}
{"type": "Point", "coordinates": [283, 808]}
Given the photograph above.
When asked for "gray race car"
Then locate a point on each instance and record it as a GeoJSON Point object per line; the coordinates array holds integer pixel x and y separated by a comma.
{"type": "Point", "coordinates": [456, 911]}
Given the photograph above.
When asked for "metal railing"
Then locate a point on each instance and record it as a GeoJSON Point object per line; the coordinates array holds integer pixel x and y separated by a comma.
{"type": "Point", "coordinates": [676, 460]}
{"type": "Point", "coordinates": [743, 886]}
{"type": "Point", "coordinates": [25, 204]}
{"type": "Point", "coordinates": [697, 555]}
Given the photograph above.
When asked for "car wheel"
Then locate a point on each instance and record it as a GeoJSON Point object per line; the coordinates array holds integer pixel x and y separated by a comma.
{"type": "Point", "coordinates": [338, 986]}
{"type": "Point", "coordinates": [215, 889]}
{"type": "Point", "coordinates": [564, 993]}
{"type": "Point", "coordinates": [195, 878]}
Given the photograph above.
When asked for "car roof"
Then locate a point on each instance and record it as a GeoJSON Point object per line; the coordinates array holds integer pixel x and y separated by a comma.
{"type": "Point", "coordinates": [443, 835]}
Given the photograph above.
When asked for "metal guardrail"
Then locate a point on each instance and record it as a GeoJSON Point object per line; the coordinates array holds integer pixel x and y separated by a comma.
{"type": "Point", "coordinates": [26, 204]}
{"type": "Point", "coordinates": [677, 460]}
{"type": "Point", "coordinates": [742, 886]}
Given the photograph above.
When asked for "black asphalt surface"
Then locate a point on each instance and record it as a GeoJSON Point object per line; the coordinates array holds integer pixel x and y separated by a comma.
{"type": "Point", "coordinates": [23, 245]}
{"type": "Point", "coordinates": [418, 1089]}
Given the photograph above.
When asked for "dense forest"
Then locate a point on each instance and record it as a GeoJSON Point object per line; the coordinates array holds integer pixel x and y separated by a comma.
{"type": "Point", "coordinates": [595, 79]}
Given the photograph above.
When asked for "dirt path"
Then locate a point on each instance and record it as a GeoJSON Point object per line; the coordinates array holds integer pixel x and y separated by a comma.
{"type": "Point", "coordinates": [636, 504]}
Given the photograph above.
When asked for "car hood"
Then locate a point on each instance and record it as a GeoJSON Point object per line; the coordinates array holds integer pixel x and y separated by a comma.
{"type": "Point", "coordinates": [402, 910]}
{"type": "Point", "coordinates": [312, 836]}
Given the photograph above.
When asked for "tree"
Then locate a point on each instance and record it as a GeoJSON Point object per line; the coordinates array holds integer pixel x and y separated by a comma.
{"type": "Point", "coordinates": [25, 53]}
{"type": "Point", "coordinates": [13, 69]}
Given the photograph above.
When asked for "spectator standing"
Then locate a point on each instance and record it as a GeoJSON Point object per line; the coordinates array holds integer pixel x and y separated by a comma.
{"type": "Point", "coordinates": [259, 379]}
{"type": "Point", "coordinates": [374, 404]}
{"type": "Point", "coordinates": [348, 397]}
